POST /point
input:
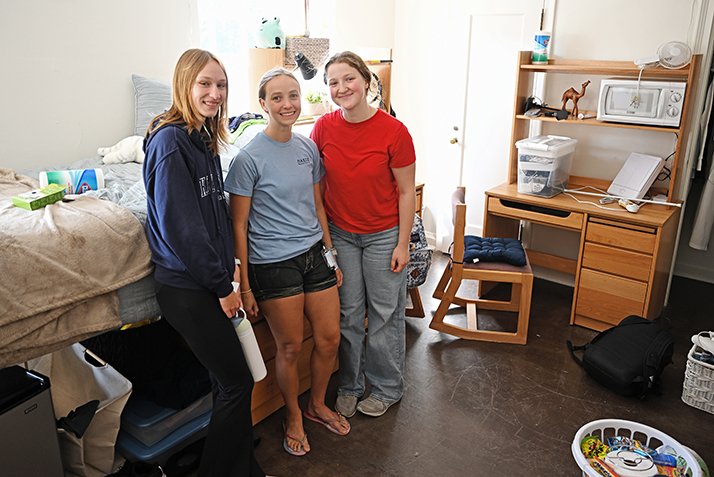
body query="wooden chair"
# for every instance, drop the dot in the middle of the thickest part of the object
(456, 271)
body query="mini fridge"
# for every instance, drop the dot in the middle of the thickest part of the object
(28, 430)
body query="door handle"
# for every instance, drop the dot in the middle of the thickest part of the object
(453, 140)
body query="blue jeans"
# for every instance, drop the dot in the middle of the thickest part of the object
(365, 260)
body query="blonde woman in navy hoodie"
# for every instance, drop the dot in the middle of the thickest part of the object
(189, 230)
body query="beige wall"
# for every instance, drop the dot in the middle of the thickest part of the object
(66, 77)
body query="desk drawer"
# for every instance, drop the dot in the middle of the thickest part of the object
(532, 213)
(621, 237)
(608, 298)
(624, 263)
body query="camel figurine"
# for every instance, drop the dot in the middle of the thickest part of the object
(574, 96)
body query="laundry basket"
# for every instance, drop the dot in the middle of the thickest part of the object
(648, 436)
(698, 389)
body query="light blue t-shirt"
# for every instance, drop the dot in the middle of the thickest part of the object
(279, 178)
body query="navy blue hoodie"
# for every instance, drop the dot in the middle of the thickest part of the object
(189, 224)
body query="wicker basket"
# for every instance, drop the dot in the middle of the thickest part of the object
(315, 49)
(647, 435)
(698, 388)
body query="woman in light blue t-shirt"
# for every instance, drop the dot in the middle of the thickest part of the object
(281, 232)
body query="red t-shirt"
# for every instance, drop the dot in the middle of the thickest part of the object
(361, 194)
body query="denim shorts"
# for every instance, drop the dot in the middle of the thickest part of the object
(305, 273)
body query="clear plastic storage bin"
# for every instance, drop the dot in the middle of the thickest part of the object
(148, 423)
(544, 164)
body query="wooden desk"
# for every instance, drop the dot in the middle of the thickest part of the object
(623, 260)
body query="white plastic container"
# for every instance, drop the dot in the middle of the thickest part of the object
(544, 164)
(648, 436)
(541, 47)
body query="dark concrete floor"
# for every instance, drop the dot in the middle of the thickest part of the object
(480, 409)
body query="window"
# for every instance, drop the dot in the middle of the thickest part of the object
(228, 29)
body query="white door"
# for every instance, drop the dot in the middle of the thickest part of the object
(478, 79)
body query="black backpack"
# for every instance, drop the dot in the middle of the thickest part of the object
(628, 358)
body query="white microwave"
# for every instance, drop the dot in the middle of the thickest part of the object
(656, 103)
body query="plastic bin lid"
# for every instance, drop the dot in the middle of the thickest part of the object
(131, 448)
(546, 143)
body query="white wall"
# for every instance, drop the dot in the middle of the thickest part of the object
(66, 82)
(364, 24)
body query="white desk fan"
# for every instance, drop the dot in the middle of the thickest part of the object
(672, 55)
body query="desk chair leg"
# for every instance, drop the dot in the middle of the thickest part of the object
(441, 286)
(524, 312)
(520, 303)
(437, 323)
(417, 308)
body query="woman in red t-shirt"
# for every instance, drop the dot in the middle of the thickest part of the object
(369, 198)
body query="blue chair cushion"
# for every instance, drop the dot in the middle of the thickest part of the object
(494, 249)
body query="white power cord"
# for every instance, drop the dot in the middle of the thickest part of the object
(604, 194)
(591, 203)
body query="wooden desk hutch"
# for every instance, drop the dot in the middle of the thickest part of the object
(624, 259)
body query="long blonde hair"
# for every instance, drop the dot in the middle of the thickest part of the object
(182, 109)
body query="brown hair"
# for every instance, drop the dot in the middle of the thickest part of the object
(353, 60)
(182, 109)
(272, 74)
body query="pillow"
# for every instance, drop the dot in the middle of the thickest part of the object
(494, 249)
(151, 98)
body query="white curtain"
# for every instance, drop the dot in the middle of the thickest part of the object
(704, 218)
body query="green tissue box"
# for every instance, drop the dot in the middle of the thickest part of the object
(38, 198)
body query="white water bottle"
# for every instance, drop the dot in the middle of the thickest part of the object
(251, 350)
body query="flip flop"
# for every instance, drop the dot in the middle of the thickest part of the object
(326, 422)
(302, 450)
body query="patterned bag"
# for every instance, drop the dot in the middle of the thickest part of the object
(419, 255)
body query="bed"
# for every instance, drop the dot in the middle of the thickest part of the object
(72, 269)
(76, 269)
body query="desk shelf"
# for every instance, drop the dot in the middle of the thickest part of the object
(524, 89)
(595, 122)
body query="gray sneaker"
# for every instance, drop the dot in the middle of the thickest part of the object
(346, 405)
(374, 407)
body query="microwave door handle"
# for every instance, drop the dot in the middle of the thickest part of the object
(662, 103)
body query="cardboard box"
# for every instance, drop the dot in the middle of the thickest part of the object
(38, 198)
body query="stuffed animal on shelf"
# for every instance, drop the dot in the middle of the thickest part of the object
(270, 34)
(127, 150)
